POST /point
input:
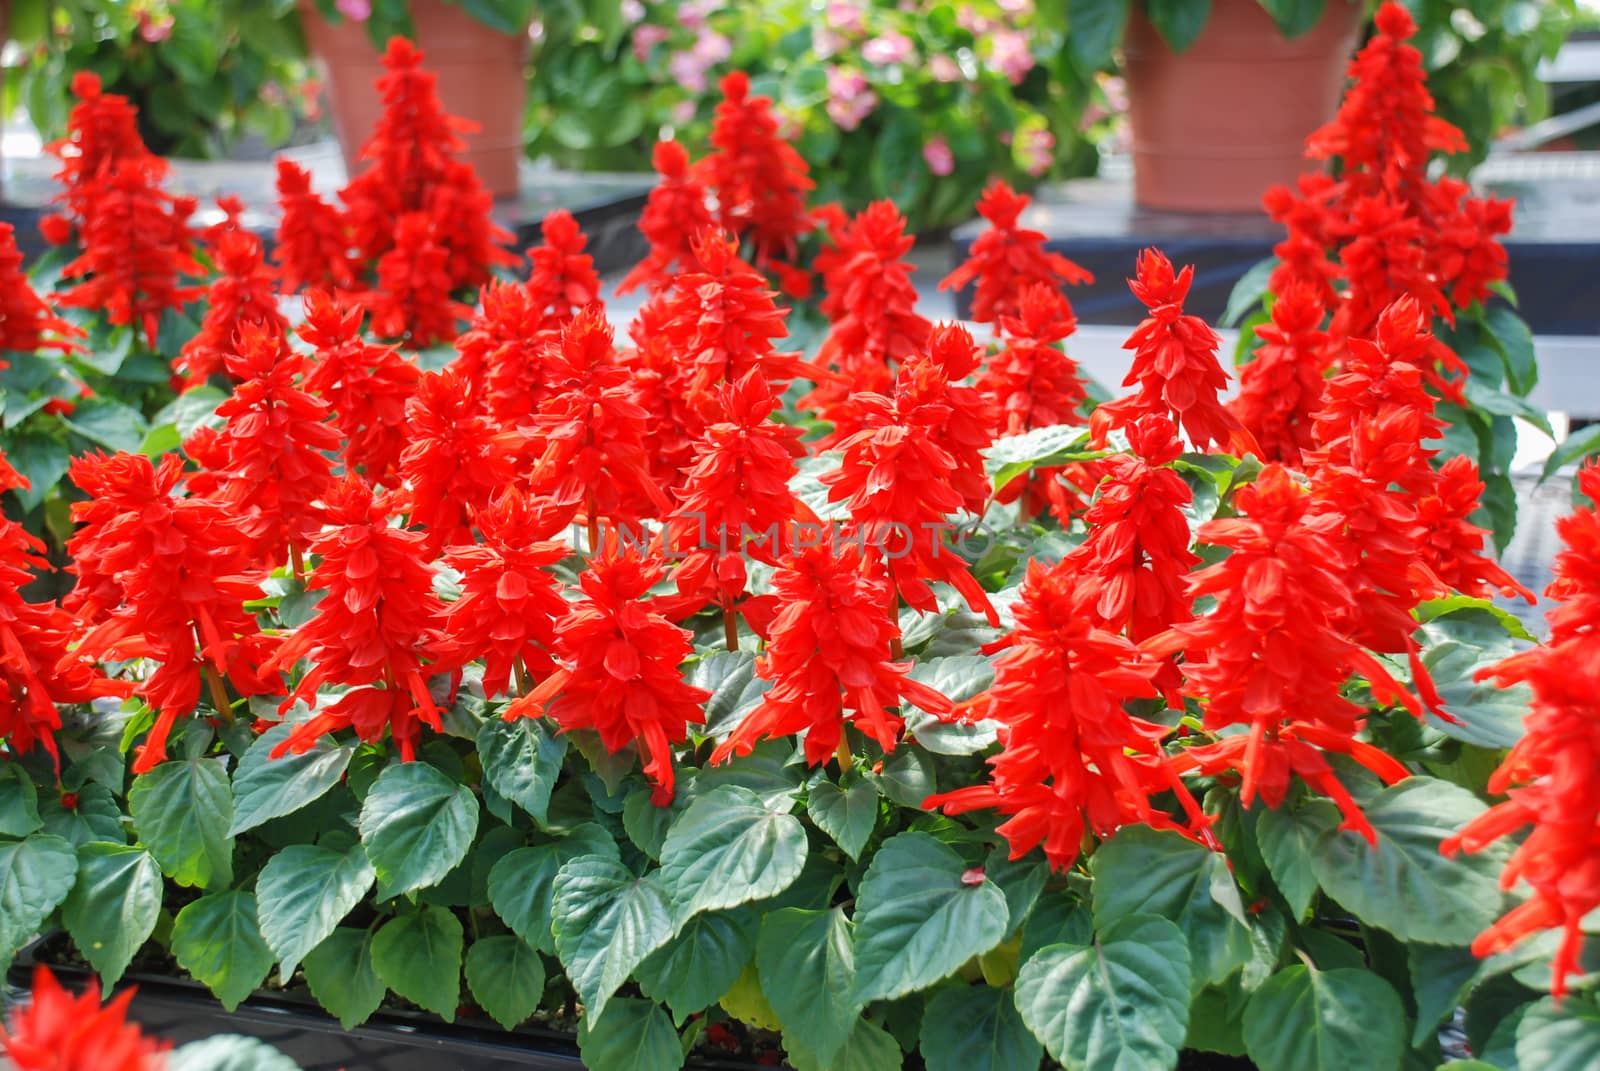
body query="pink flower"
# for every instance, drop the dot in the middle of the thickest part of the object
(154, 29)
(850, 98)
(683, 112)
(975, 24)
(632, 11)
(1019, 9)
(892, 47)
(1037, 150)
(646, 38)
(711, 48)
(693, 15)
(826, 41)
(687, 70)
(845, 17)
(936, 151)
(1011, 55)
(945, 69)
(354, 10)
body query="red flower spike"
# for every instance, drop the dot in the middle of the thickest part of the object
(270, 462)
(55, 1031)
(509, 604)
(453, 464)
(587, 439)
(620, 674)
(27, 322)
(242, 293)
(871, 302)
(659, 380)
(1072, 760)
(1007, 258)
(1281, 388)
(367, 386)
(1551, 772)
(1453, 550)
(313, 243)
(759, 180)
(735, 499)
(502, 354)
(673, 215)
(412, 300)
(377, 631)
(562, 278)
(1174, 365)
(961, 420)
(165, 578)
(102, 134)
(828, 656)
(37, 673)
(1272, 656)
(137, 247)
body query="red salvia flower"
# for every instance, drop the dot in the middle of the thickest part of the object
(1007, 257)
(1453, 547)
(1307, 216)
(659, 382)
(102, 133)
(453, 463)
(1072, 760)
(587, 439)
(27, 323)
(313, 243)
(760, 181)
(377, 631)
(413, 300)
(1138, 542)
(502, 354)
(1551, 773)
(961, 420)
(619, 674)
(673, 215)
(271, 462)
(367, 386)
(735, 499)
(55, 1031)
(461, 210)
(166, 578)
(871, 301)
(36, 671)
(1281, 388)
(137, 247)
(829, 657)
(509, 604)
(562, 278)
(1272, 658)
(1174, 365)
(242, 293)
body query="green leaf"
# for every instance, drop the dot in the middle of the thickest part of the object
(1295, 17)
(1575, 447)
(1404, 884)
(522, 761)
(1440, 979)
(1250, 289)
(1144, 871)
(218, 940)
(847, 812)
(340, 974)
(606, 922)
(35, 876)
(919, 917)
(1011, 456)
(1496, 401)
(113, 907)
(182, 811)
(730, 677)
(418, 955)
(229, 1052)
(1485, 713)
(108, 423)
(729, 848)
(97, 816)
(806, 964)
(43, 460)
(417, 825)
(701, 963)
(976, 1028)
(1311, 1020)
(1560, 1037)
(1121, 1002)
(506, 978)
(869, 1048)
(1287, 835)
(1178, 21)
(908, 777)
(19, 802)
(1094, 30)
(304, 892)
(631, 1035)
(1514, 339)
(265, 788)
(521, 882)
(767, 771)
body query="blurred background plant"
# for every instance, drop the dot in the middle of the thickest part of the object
(202, 72)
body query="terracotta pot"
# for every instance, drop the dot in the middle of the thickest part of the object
(1217, 125)
(480, 78)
